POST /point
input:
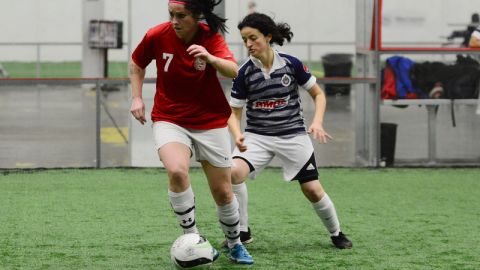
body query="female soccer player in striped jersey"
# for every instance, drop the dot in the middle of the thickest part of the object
(268, 86)
(190, 111)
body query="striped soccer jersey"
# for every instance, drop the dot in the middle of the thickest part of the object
(272, 98)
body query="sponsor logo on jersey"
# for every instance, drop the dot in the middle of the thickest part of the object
(271, 104)
(286, 80)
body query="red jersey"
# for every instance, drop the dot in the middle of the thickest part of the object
(186, 94)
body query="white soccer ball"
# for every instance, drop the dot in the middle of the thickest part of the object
(191, 250)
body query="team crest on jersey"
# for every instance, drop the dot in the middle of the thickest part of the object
(286, 80)
(199, 64)
(271, 104)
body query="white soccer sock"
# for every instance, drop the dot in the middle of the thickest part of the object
(327, 213)
(241, 193)
(228, 216)
(183, 205)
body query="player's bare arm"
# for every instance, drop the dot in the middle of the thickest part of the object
(316, 128)
(234, 127)
(474, 42)
(137, 108)
(227, 68)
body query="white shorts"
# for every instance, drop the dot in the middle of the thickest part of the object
(296, 155)
(212, 145)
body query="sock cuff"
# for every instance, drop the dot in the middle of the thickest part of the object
(239, 187)
(185, 199)
(324, 202)
(187, 192)
(229, 208)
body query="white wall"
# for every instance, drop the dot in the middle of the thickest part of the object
(311, 21)
(426, 20)
(40, 21)
(60, 21)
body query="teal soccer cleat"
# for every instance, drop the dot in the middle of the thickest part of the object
(239, 254)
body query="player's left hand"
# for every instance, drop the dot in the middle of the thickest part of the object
(198, 51)
(318, 133)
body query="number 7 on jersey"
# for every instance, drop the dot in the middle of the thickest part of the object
(168, 57)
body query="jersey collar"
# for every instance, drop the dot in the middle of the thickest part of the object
(278, 63)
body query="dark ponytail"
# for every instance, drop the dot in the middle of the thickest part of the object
(263, 23)
(204, 10)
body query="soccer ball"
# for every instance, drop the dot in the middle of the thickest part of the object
(191, 250)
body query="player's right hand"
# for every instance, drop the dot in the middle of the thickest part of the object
(239, 143)
(138, 110)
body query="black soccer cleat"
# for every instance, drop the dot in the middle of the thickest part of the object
(246, 237)
(341, 241)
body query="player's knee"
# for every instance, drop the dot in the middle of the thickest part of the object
(222, 196)
(178, 174)
(240, 171)
(238, 176)
(179, 180)
(312, 191)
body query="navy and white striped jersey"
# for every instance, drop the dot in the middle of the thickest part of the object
(272, 98)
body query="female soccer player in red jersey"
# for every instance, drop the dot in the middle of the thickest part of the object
(190, 110)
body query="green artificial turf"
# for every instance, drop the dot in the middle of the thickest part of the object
(121, 219)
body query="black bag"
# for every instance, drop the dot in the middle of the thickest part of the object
(464, 85)
(428, 74)
(460, 80)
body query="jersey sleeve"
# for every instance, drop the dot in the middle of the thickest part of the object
(143, 54)
(305, 79)
(218, 47)
(238, 95)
